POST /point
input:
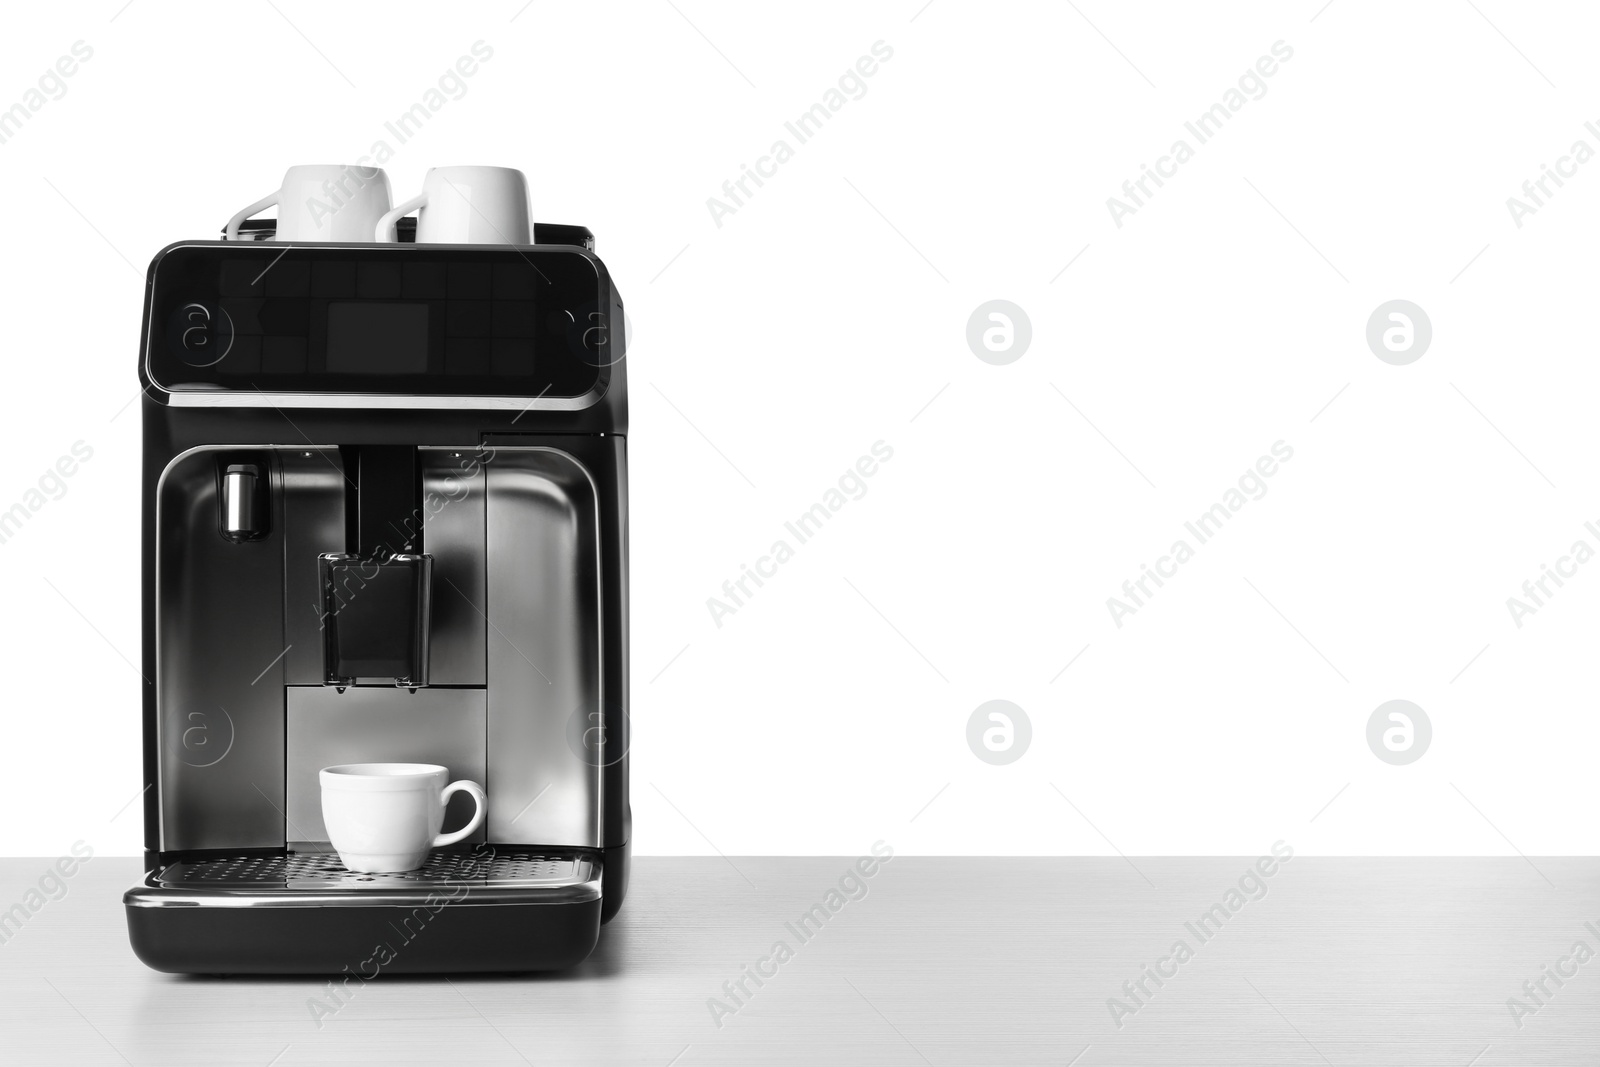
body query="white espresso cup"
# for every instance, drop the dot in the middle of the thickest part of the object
(385, 817)
(467, 206)
(329, 202)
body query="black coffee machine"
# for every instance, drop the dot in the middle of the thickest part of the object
(384, 519)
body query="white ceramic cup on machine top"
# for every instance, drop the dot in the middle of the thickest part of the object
(384, 818)
(325, 202)
(467, 205)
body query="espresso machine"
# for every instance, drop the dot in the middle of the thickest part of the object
(384, 518)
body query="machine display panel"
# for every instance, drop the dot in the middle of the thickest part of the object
(387, 319)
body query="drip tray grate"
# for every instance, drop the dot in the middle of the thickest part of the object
(483, 868)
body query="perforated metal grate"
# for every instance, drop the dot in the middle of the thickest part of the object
(485, 867)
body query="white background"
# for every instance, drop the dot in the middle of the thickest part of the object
(829, 312)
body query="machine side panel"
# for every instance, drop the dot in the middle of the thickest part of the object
(619, 722)
(544, 649)
(219, 670)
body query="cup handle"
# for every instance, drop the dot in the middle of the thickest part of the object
(463, 786)
(260, 205)
(384, 234)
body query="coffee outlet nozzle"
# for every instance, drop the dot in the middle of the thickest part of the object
(376, 612)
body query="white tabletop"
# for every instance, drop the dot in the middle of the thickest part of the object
(943, 961)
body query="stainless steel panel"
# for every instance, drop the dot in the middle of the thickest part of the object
(313, 523)
(219, 674)
(453, 534)
(378, 725)
(543, 609)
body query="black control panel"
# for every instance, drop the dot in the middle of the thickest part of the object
(403, 319)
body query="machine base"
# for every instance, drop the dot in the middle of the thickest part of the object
(486, 910)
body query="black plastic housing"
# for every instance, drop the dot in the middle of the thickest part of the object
(465, 936)
(462, 938)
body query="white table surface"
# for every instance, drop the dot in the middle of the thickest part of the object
(944, 961)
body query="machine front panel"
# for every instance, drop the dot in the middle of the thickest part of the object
(514, 700)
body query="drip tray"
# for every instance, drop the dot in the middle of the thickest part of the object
(467, 910)
(481, 876)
